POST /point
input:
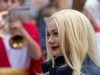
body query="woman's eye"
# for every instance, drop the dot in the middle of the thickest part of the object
(56, 33)
(5, 1)
(13, 1)
(48, 35)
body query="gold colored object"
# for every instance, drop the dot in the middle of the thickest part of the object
(17, 41)
(13, 71)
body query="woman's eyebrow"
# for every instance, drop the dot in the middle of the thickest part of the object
(52, 30)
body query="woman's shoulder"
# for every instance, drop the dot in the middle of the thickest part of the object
(58, 69)
(90, 68)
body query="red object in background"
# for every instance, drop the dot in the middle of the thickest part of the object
(97, 30)
(3, 56)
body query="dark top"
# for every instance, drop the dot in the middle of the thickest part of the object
(88, 67)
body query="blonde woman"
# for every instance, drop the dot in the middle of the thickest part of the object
(71, 45)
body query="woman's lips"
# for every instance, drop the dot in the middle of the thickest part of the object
(54, 47)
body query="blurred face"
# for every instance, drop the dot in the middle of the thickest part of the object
(53, 40)
(5, 4)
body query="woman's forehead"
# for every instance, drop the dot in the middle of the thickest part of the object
(51, 25)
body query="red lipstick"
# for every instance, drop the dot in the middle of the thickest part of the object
(54, 47)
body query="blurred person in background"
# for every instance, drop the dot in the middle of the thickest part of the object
(29, 57)
(41, 24)
(92, 12)
(52, 3)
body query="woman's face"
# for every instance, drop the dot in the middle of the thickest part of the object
(5, 4)
(53, 39)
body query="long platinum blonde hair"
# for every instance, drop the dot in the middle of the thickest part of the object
(76, 28)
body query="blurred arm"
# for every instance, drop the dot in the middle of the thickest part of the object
(31, 35)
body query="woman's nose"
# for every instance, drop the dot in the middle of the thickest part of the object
(50, 40)
(9, 4)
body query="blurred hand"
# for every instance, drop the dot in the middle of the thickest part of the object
(16, 25)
